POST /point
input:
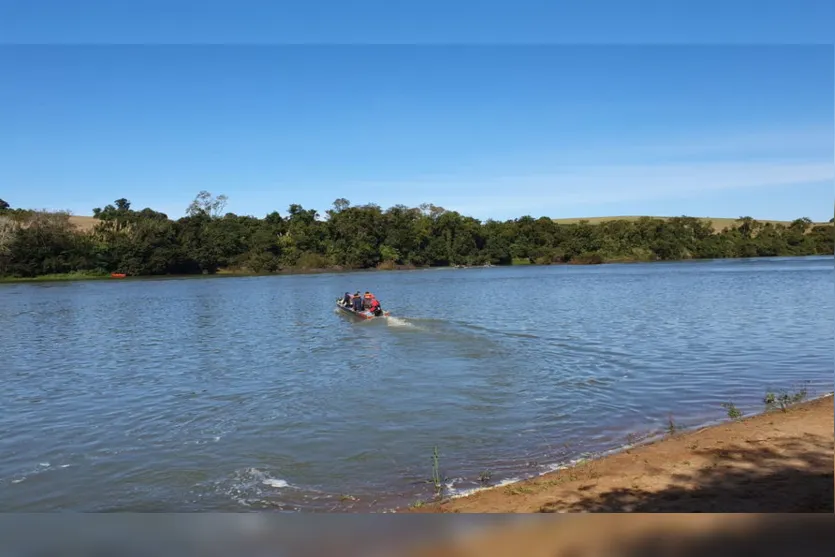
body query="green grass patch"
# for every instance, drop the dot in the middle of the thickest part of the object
(734, 413)
(786, 398)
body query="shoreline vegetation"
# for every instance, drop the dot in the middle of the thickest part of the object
(244, 273)
(53, 246)
(779, 460)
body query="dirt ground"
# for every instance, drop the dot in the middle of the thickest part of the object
(773, 462)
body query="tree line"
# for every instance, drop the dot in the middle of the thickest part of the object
(206, 240)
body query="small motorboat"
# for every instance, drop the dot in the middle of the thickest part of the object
(366, 314)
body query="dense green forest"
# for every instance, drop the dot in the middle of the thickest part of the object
(207, 240)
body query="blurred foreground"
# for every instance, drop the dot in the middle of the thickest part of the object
(417, 536)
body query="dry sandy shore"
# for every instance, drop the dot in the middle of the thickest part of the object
(773, 462)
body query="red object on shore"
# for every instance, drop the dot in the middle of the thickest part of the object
(117, 275)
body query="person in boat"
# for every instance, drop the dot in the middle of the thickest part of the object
(356, 301)
(346, 300)
(375, 308)
(367, 299)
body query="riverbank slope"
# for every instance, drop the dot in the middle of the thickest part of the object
(772, 462)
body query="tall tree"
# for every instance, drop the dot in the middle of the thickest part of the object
(206, 204)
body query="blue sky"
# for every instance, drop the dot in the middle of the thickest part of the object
(495, 130)
(407, 21)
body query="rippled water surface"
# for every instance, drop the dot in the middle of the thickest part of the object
(253, 393)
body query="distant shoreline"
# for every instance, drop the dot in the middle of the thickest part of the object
(227, 273)
(774, 461)
(86, 222)
(148, 243)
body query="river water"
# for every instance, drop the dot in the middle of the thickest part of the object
(236, 394)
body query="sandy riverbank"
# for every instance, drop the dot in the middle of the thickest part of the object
(773, 462)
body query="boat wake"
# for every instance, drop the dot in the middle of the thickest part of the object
(400, 322)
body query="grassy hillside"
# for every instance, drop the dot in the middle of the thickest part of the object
(87, 223)
(719, 224)
(84, 223)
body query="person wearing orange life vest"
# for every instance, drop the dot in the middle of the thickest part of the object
(367, 299)
(375, 307)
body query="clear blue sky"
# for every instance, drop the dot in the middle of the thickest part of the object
(490, 130)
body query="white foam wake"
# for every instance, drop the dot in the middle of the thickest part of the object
(399, 322)
(273, 482)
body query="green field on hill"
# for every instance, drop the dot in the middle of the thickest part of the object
(719, 224)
